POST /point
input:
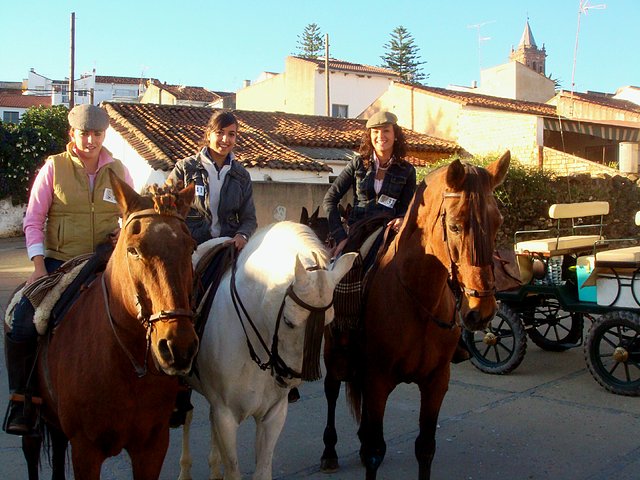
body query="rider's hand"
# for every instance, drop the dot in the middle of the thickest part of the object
(39, 269)
(396, 223)
(238, 240)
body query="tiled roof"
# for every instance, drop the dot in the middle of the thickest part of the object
(17, 100)
(352, 67)
(163, 134)
(119, 80)
(195, 94)
(603, 100)
(488, 101)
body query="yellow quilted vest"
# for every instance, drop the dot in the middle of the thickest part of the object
(79, 219)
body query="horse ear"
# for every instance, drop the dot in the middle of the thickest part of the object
(342, 266)
(455, 175)
(126, 196)
(314, 215)
(300, 271)
(499, 168)
(304, 216)
(185, 199)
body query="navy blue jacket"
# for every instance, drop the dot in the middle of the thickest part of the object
(399, 184)
(236, 211)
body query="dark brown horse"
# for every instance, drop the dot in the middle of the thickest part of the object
(434, 278)
(107, 373)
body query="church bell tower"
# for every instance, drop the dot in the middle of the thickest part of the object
(528, 52)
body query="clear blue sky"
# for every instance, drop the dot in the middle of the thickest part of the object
(217, 44)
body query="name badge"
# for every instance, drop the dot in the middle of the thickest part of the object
(386, 201)
(108, 196)
(200, 190)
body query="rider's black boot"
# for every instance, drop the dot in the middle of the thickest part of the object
(21, 415)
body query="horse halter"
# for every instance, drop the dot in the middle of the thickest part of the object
(147, 319)
(278, 366)
(455, 285)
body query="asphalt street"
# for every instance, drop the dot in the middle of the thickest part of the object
(548, 419)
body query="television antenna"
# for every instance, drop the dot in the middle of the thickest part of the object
(481, 39)
(582, 9)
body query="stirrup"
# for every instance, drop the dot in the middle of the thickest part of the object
(22, 415)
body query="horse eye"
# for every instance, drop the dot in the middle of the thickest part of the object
(133, 251)
(455, 228)
(287, 322)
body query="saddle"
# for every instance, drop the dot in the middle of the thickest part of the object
(369, 238)
(53, 294)
(209, 269)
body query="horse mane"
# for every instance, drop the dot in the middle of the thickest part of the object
(476, 183)
(360, 230)
(283, 241)
(165, 198)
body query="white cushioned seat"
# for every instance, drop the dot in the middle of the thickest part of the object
(620, 255)
(553, 244)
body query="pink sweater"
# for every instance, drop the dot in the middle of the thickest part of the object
(40, 201)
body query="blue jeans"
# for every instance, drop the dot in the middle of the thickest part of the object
(23, 328)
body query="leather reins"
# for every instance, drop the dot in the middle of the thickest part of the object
(278, 366)
(147, 319)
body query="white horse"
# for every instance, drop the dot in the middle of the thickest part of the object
(263, 342)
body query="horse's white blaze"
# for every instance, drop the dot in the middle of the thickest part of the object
(163, 229)
(234, 385)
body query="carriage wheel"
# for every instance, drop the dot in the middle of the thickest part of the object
(612, 352)
(501, 347)
(551, 328)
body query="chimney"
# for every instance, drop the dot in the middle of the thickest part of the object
(246, 83)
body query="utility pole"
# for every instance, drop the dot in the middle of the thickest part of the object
(326, 73)
(72, 62)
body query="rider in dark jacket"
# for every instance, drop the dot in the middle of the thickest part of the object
(236, 211)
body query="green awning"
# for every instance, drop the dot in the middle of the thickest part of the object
(609, 132)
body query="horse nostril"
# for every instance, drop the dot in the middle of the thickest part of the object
(165, 350)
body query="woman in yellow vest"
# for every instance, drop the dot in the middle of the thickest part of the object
(71, 209)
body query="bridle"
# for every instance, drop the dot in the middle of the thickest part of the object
(279, 369)
(457, 287)
(147, 319)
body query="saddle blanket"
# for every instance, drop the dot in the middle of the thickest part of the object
(45, 292)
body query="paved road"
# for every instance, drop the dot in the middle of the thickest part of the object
(547, 420)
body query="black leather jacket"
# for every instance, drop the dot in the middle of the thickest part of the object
(399, 184)
(236, 211)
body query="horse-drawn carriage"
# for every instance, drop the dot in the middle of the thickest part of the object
(564, 279)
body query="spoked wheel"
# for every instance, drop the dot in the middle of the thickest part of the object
(501, 347)
(551, 328)
(612, 352)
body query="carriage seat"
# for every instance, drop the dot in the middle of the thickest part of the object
(627, 257)
(573, 242)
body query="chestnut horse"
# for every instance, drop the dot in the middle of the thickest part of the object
(434, 278)
(108, 371)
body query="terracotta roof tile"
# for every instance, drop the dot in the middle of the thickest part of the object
(351, 67)
(17, 100)
(196, 94)
(119, 80)
(604, 100)
(163, 134)
(488, 101)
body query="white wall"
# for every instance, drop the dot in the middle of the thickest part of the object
(357, 91)
(10, 218)
(140, 170)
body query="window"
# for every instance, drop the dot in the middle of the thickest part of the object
(11, 117)
(339, 111)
